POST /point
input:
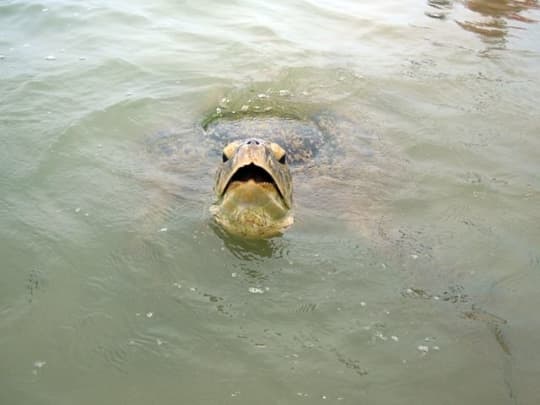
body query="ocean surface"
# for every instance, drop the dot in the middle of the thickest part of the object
(411, 273)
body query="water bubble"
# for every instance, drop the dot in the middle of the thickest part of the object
(50, 57)
(394, 338)
(177, 285)
(2, 57)
(39, 363)
(44, 10)
(77, 210)
(380, 336)
(244, 108)
(284, 93)
(423, 349)
(163, 229)
(362, 304)
(256, 290)
(149, 314)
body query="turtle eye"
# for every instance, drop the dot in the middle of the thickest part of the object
(229, 151)
(279, 153)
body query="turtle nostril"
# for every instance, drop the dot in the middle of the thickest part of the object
(253, 142)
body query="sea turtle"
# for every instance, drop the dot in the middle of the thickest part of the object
(253, 184)
(341, 172)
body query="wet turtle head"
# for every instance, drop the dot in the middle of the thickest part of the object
(253, 189)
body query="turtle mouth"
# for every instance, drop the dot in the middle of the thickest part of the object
(254, 173)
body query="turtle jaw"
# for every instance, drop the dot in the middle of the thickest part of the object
(258, 175)
(251, 204)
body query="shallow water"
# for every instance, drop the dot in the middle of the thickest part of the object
(410, 275)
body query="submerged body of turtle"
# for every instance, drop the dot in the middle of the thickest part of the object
(253, 189)
(337, 169)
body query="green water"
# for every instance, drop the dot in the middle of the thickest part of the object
(410, 275)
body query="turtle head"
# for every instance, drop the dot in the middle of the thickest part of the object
(253, 188)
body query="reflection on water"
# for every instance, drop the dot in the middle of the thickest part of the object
(493, 20)
(497, 17)
(439, 8)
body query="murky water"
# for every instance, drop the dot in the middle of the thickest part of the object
(410, 275)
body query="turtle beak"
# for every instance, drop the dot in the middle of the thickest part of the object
(254, 173)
